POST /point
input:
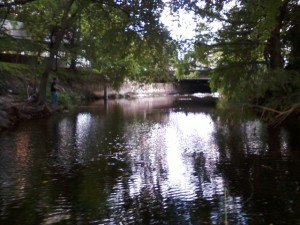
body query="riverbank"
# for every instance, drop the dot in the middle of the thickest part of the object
(18, 81)
(15, 106)
(13, 110)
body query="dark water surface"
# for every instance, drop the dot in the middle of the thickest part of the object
(164, 160)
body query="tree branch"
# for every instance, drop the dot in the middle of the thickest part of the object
(281, 116)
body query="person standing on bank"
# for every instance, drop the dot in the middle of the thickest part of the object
(54, 94)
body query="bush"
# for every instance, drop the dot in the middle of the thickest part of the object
(66, 99)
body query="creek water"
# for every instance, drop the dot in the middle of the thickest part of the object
(163, 160)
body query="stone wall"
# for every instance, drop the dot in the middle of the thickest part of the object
(129, 89)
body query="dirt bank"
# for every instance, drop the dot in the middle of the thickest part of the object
(13, 110)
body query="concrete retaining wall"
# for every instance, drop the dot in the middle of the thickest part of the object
(130, 89)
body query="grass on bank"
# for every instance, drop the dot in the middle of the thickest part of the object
(21, 79)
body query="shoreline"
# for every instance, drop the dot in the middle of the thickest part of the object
(14, 110)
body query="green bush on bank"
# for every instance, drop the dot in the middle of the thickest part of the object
(66, 99)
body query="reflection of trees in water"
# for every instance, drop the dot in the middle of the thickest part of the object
(292, 136)
(258, 164)
(151, 192)
(150, 205)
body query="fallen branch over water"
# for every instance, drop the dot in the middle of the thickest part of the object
(280, 116)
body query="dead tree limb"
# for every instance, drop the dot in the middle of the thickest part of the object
(279, 116)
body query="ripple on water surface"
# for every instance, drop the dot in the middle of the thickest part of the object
(162, 166)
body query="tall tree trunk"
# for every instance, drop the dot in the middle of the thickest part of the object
(276, 60)
(294, 37)
(73, 48)
(42, 93)
(274, 48)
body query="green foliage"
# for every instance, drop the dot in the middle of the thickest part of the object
(119, 45)
(280, 88)
(66, 100)
(119, 38)
(16, 77)
(186, 67)
(265, 14)
(14, 70)
(275, 89)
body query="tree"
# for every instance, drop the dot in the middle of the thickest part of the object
(119, 38)
(8, 9)
(57, 17)
(129, 39)
(251, 47)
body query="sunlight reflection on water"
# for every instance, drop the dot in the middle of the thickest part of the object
(164, 156)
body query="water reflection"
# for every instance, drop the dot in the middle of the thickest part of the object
(166, 160)
(84, 123)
